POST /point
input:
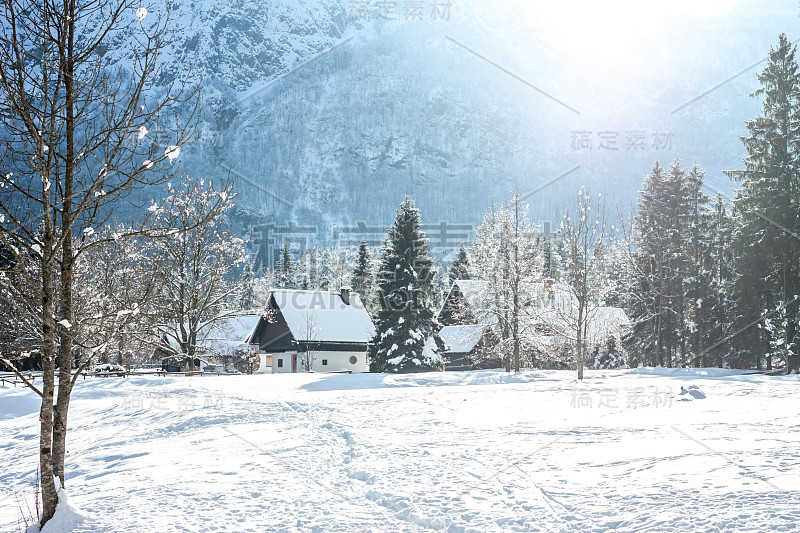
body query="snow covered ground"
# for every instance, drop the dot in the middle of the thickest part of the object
(475, 451)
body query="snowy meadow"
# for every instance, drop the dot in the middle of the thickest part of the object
(471, 451)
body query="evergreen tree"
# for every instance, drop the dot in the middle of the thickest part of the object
(722, 279)
(335, 268)
(676, 206)
(767, 207)
(363, 278)
(440, 287)
(678, 281)
(459, 267)
(406, 338)
(306, 271)
(681, 276)
(649, 293)
(606, 355)
(247, 297)
(284, 269)
(699, 326)
(776, 324)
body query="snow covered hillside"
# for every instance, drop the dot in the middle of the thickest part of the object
(475, 451)
(328, 118)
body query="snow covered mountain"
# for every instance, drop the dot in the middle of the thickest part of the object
(328, 118)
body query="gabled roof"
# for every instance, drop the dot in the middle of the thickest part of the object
(461, 339)
(230, 333)
(322, 316)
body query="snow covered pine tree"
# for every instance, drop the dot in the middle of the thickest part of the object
(363, 278)
(459, 268)
(767, 209)
(406, 331)
(285, 268)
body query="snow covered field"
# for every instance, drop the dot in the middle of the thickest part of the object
(476, 451)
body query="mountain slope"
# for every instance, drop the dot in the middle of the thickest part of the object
(327, 119)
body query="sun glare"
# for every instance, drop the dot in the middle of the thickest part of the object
(607, 33)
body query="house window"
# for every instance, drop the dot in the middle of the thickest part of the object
(324, 362)
(280, 363)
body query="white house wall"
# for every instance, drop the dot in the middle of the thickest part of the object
(265, 364)
(336, 362)
(340, 361)
(287, 362)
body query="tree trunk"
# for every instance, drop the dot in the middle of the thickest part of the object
(507, 354)
(49, 494)
(581, 342)
(191, 350)
(516, 329)
(64, 367)
(759, 348)
(67, 260)
(699, 360)
(659, 344)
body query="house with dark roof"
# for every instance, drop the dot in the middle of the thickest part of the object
(551, 309)
(318, 331)
(470, 347)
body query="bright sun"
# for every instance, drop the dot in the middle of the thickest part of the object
(592, 28)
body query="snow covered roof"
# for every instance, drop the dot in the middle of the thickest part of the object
(470, 289)
(223, 336)
(461, 339)
(322, 316)
(227, 335)
(602, 322)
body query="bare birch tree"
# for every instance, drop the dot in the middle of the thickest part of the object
(75, 140)
(584, 234)
(311, 332)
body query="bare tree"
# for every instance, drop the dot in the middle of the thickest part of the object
(584, 233)
(117, 283)
(75, 141)
(311, 332)
(507, 262)
(198, 262)
(108, 289)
